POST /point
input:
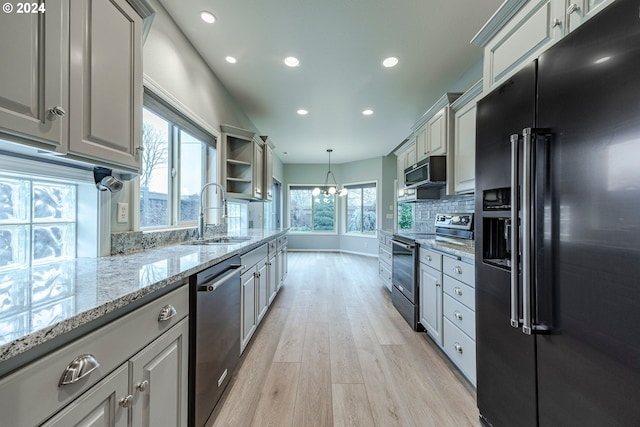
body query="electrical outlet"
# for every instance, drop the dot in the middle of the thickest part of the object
(123, 212)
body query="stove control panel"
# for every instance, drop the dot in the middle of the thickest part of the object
(462, 221)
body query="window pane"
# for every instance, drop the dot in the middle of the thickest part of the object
(324, 213)
(237, 217)
(300, 210)
(369, 204)
(354, 209)
(361, 209)
(54, 202)
(14, 200)
(154, 179)
(190, 176)
(405, 217)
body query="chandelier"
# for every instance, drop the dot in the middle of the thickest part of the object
(328, 189)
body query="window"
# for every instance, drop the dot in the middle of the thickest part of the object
(174, 166)
(311, 214)
(361, 208)
(37, 222)
(405, 216)
(237, 217)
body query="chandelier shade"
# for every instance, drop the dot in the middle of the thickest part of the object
(330, 186)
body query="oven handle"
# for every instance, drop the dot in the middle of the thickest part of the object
(403, 244)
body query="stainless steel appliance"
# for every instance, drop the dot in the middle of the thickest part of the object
(558, 233)
(214, 336)
(404, 273)
(431, 171)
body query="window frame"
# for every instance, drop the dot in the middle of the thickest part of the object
(336, 208)
(172, 112)
(345, 218)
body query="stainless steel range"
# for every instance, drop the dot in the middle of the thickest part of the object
(405, 278)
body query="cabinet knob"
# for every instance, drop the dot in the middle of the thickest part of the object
(55, 112)
(79, 368)
(457, 290)
(166, 313)
(573, 7)
(458, 315)
(437, 285)
(125, 402)
(457, 269)
(143, 385)
(429, 258)
(556, 23)
(458, 347)
(139, 148)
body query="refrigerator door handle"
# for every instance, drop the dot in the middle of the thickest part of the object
(515, 297)
(527, 203)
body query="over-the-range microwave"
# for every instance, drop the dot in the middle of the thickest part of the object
(431, 171)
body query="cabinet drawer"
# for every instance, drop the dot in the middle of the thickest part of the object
(460, 315)
(460, 291)
(430, 258)
(385, 272)
(273, 247)
(282, 241)
(111, 345)
(459, 270)
(384, 255)
(461, 349)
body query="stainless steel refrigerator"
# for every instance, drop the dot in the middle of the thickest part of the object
(558, 233)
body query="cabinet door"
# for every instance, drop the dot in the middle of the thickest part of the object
(248, 279)
(281, 267)
(272, 273)
(436, 131)
(431, 302)
(159, 375)
(464, 159)
(105, 404)
(268, 173)
(262, 290)
(422, 149)
(106, 72)
(258, 171)
(34, 74)
(285, 255)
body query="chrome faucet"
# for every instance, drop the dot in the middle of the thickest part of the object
(203, 208)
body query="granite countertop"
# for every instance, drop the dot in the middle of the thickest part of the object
(47, 301)
(460, 248)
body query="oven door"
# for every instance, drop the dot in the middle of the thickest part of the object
(403, 272)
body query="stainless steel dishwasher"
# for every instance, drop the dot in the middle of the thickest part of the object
(214, 335)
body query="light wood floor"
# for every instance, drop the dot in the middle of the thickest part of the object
(333, 351)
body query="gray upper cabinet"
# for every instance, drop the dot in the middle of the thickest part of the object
(433, 130)
(33, 88)
(267, 180)
(242, 163)
(106, 83)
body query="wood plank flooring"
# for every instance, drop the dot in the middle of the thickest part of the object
(333, 351)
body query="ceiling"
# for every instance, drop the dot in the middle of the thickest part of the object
(340, 45)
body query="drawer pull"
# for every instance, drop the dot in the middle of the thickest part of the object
(79, 368)
(437, 285)
(457, 290)
(429, 258)
(125, 402)
(458, 315)
(458, 347)
(457, 269)
(166, 313)
(556, 23)
(572, 8)
(143, 385)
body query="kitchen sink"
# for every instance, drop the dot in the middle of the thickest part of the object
(221, 240)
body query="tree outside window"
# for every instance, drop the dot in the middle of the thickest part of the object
(362, 208)
(311, 214)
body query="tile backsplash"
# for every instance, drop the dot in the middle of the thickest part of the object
(136, 241)
(426, 210)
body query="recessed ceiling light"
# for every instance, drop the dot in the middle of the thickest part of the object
(603, 59)
(302, 112)
(291, 61)
(231, 59)
(390, 62)
(207, 17)
(367, 112)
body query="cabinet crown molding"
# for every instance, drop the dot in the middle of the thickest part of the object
(469, 95)
(499, 19)
(445, 100)
(243, 133)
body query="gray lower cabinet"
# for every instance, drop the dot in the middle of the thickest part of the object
(272, 271)
(141, 375)
(156, 394)
(262, 289)
(431, 293)
(249, 318)
(384, 258)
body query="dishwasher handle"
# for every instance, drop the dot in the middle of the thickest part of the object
(219, 280)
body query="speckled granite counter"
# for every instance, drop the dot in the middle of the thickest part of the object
(460, 248)
(42, 304)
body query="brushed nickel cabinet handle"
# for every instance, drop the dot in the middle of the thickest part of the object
(458, 315)
(457, 290)
(458, 347)
(125, 402)
(142, 386)
(573, 7)
(457, 269)
(79, 368)
(166, 313)
(55, 112)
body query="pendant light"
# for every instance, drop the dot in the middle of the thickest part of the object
(328, 189)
